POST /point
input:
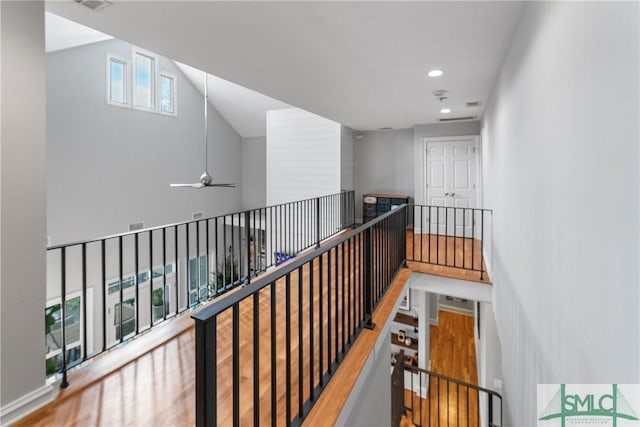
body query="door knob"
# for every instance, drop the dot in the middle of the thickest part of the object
(446, 194)
(453, 194)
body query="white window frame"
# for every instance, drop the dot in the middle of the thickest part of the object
(78, 343)
(153, 75)
(174, 100)
(127, 81)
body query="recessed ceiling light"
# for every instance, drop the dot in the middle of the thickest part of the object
(435, 73)
(445, 110)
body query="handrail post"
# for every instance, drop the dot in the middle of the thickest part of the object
(206, 373)
(317, 222)
(368, 282)
(247, 226)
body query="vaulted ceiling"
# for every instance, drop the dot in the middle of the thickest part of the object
(363, 64)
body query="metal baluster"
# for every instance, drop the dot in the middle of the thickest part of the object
(136, 266)
(121, 293)
(84, 301)
(311, 331)
(256, 359)
(300, 348)
(288, 345)
(274, 416)
(235, 311)
(63, 314)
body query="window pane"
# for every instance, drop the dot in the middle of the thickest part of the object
(166, 94)
(72, 321)
(117, 82)
(53, 330)
(203, 270)
(144, 81)
(193, 273)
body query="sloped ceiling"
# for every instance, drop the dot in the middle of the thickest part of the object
(243, 108)
(362, 64)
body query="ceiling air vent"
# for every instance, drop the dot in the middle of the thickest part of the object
(95, 5)
(136, 226)
(457, 119)
(385, 128)
(473, 104)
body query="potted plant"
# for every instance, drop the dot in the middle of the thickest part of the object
(157, 301)
(227, 275)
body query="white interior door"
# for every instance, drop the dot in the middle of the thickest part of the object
(451, 183)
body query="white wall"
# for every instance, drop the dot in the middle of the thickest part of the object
(383, 163)
(303, 156)
(22, 208)
(488, 353)
(254, 172)
(109, 167)
(561, 173)
(346, 158)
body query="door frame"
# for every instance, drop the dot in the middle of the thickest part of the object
(423, 180)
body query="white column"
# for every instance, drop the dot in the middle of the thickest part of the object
(424, 316)
(23, 176)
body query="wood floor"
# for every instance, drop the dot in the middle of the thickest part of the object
(453, 355)
(150, 381)
(448, 256)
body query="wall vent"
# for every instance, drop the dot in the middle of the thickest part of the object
(474, 104)
(95, 5)
(457, 119)
(136, 226)
(197, 215)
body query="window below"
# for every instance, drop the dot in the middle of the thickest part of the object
(53, 334)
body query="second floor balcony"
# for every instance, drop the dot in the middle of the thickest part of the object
(286, 291)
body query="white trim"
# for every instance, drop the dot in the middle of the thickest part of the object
(58, 300)
(127, 81)
(174, 101)
(153, 75)
(28, 403)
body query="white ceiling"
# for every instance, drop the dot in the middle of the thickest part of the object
(362, 64)
(244, 109)
(61, 33)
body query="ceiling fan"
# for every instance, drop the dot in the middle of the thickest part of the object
(205, 179)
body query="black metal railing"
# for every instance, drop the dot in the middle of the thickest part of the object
(431, 399)
(397, 390)
(265, 352)
(450, 236)
(104, 291)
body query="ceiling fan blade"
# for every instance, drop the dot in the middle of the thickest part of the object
(221, 185)
(194, 185)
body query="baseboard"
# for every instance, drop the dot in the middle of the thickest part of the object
(28, 403)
